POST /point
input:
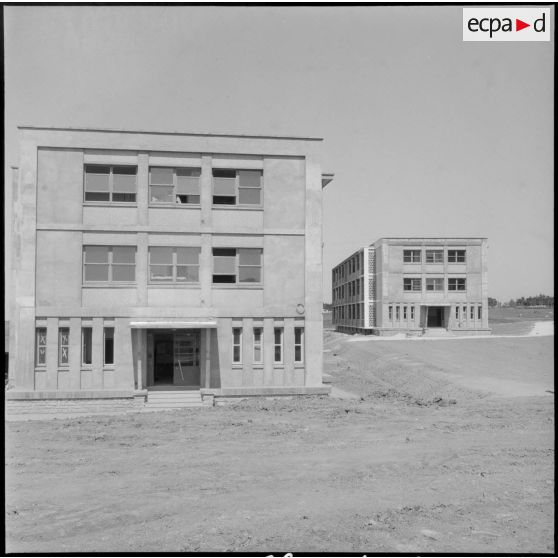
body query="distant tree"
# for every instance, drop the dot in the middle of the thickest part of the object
(511, 302)
(492, 302)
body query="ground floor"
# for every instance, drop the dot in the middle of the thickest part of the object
(225, 356)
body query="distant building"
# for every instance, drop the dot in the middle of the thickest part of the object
(413, 285)
(148, 261)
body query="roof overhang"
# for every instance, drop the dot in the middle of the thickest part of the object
(170, 324)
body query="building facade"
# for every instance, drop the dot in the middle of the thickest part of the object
(150, 260)
(413, 285)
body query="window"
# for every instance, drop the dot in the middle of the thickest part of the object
(174, 185)
(404, 312)
(397, 316)
(434, 256)
(457, 312)
(299, 344)
(105, 183)
(237, 345)
(174, 265)
(108, 342)
(86, 345)
(456, 256)
(464, 313)
(411, 256)
(390, 312)
(479, 312)
(237, 187)
(63, 346)
(109, 263)
(258, 345)
(412, 312)
(456, 284)
(278, 344)
(40, 346)
(472, 314)
(237, 265)
(434, 284)
(412, 284)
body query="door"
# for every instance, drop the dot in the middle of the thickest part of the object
(163, 358)
(435, 316)
(187, 358)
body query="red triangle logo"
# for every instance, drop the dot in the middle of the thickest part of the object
(519, 25)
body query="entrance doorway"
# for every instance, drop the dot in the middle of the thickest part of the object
(435, 316)
(175, 357)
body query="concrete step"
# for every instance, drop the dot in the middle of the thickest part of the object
(173, 399)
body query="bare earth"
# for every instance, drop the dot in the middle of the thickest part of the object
(427, 446)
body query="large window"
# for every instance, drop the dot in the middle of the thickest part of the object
(109, 263)
(237, 265)
(258, 345)
(434, 284)
(63, 346)
(237, 187)
(456, 284)
(456, 256)
(174, 265)
(174, 185)
(108, 348)
(40, 346)
(435, 256)
(299, 344)
(411, 256)
(237, 345)
(412, 284)
(105, 183)
(86, 345)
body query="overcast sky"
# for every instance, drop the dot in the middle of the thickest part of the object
(427, 135)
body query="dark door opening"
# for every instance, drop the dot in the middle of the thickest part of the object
(163, 358)
(435, 316)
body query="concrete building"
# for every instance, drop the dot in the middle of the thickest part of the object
(147, 261)
(413, 285)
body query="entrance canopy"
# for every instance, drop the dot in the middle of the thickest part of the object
(171, 324)
(435, 304)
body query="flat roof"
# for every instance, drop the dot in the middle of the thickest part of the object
(197, 134)
(431, 238)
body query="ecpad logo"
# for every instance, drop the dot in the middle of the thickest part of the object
(506, 24)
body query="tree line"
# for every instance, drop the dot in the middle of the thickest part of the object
(539, 300)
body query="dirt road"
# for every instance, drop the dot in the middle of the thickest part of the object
(418, 462)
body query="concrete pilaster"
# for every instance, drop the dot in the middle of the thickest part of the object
(268, 351)
(142, 268)
(124, 378)
(289, 352)
(142, 195)
(51, 358)
(71, 378)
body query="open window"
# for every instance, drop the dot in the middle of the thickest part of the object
(174, 185)
(110, 183)
(237, 265)
(237, 187)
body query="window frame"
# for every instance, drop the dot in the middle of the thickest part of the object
(437, 256)
(84, 349)
(39, 346)
(455, 254)
(479, 312)
(237, 268)
(434, 282)
(61, 346)
(110, 191)
(411, 255)
(237, 188)
(299, 345)
(455, 281)
(107, 329)
(412, 281)
(174, 264)
(110, 263)
(236, 345)
(174, 186)
(257, 344)
(279, 345)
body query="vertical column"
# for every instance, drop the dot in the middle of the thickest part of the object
(94, 379)
(247, 352)
(205, 271)
(224, 346)
(137, 333)
(12, 238)
(143, 188)
(75, 355)
(268, 351)
(142, 272)
(123, 354)
(313, 271)
(206, 200)
(22, 363)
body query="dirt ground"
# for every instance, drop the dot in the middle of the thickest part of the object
(425, 446)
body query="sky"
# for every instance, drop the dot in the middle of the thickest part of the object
(427, 135)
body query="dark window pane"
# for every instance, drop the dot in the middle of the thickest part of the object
(224, 251)
(298, 353)
(109, 345)
(96, 272)
(224, 200)
(224, 173)
(87, 336)
(187, 199)
(96, 254)
(130, 198)
(97, 196)
(278, 354)
(224, 278)
(123, 273)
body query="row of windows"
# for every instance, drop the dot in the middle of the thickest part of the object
(169, 264)
(258, 346)
(64, 346)
(434, 256)
(408, 312)
(352, 288)
(349, 312)
(168, 185)
(434, 284)
(352, 265)
(460, 312)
